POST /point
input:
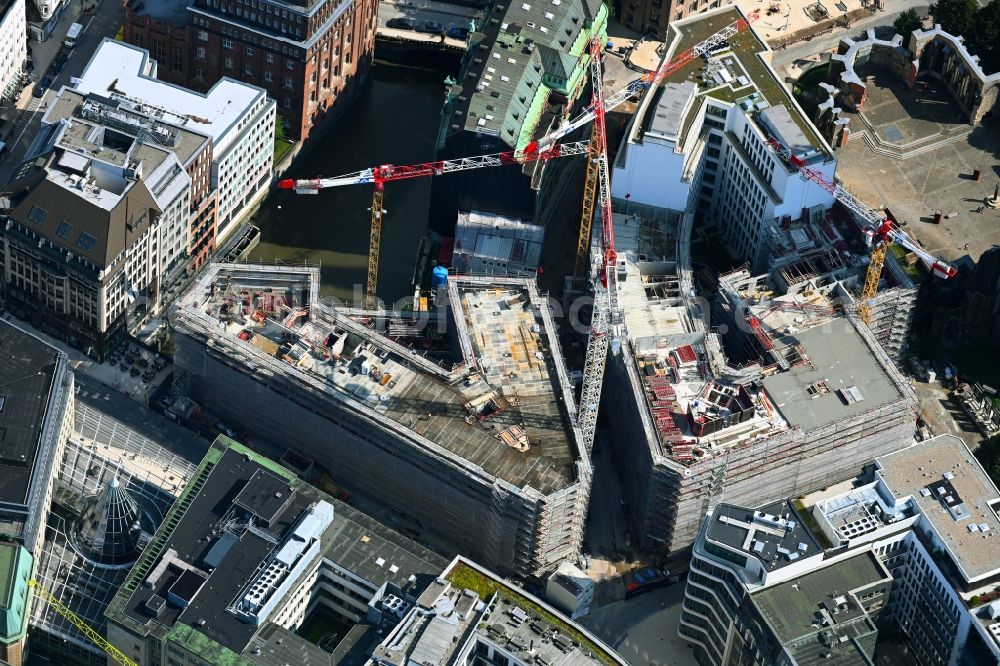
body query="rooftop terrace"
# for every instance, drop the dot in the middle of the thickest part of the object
(956, 497)
(26, 376)
(504, 407)
(746, 71)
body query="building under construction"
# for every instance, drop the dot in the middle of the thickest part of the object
(464, 422)
(797, 395)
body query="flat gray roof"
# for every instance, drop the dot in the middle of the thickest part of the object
(840, 357)
(785, 129)
(26, 378)
(669, 111)
(908, 472)
(792, 610)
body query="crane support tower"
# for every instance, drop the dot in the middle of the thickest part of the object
(84, 628)
(878, 229)
(607, 320)
(543, 149)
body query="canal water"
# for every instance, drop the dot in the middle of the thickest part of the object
(395, 121)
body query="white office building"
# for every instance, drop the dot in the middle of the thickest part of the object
(13, 47)
(699, 143)
(907, 548)
(237, 116)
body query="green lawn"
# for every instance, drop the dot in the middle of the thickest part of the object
(281, 148)
(916, 272)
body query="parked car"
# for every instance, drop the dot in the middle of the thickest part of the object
(401, 23)
(56, 66)
(432, 27)
(41, 87)
(458, 33)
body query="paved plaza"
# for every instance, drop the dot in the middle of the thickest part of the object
(921, 160)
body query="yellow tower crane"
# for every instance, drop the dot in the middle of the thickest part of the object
(84, 628)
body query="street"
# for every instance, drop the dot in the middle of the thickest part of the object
(643, 630)
(446, 14)
(98, 24)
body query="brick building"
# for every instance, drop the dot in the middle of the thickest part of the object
(308, 55)
(651, 17)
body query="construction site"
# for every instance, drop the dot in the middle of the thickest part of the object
(458, 413)
(774, 385)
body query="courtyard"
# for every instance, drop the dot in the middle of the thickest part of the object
(919, 157)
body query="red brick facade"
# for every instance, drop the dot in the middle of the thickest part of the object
(307, 59)
(651, 17)
(204, 209)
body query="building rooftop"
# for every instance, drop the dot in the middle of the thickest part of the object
(120, 70)
(472, 607)
(504, 408)
(521, 44)
(238, 539)
(26, 382)
(734, 74)
(956, 497)
(773, 534)
(84, 112)
(671, 106)
(819, 613)
(90, 219)
(841, 378)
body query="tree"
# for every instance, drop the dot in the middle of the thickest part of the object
(907, 22)
(988, 455)
(957, 17)
(986, 38)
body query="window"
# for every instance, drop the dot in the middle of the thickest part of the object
(268, 76)
(287, 102)
(249, 50)
(86, 242)
(269, 57)
(289, 65)
(199, 73)
(178, 59)
(227, 43)
(157, 50)
(248, 68)
(228, 63)
(199, 53)
(202, 36)
(288, 82)
(37, 214)
(64, 229)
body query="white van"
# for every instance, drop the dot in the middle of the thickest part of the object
(72, 35)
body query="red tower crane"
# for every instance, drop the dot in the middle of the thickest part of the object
(879, 230)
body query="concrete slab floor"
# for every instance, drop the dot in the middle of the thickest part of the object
(940, 179)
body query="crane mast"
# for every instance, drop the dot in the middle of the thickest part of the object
(606, 320)
(84, 628)
(879, 231)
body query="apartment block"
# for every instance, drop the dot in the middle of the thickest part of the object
(246, 556)
(80, 245)
(311, 57)
(700, 143)
(901, 550)
(238, 117)
(13, 49)
(474, 428)
(526, 68)
(36, 417)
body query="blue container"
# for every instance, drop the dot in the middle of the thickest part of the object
(439, 277)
